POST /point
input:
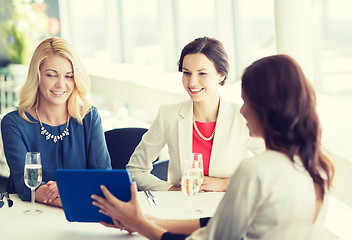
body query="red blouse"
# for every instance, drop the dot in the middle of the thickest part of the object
(201, 146)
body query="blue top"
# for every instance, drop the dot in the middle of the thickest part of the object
(83, 148)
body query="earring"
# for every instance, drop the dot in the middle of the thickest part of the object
(222, 82)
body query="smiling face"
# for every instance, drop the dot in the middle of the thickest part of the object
(253, 122)
(56, 80)
(200, 78)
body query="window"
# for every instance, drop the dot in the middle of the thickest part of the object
(254, 31)
(86, 27)
(258, 29)
(140, 32)
(335, 54)
(194, 19)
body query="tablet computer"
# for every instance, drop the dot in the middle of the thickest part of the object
(77, 186)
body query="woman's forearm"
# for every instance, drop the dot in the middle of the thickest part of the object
(184, 226)
(151, 231)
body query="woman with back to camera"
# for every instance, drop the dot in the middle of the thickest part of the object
(206, 124)
(54, 118)
(279, 194)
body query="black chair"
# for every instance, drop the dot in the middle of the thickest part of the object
(121, 143)
(160, 169)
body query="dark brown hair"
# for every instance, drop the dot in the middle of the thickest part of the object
(285, 103)
(212, 49)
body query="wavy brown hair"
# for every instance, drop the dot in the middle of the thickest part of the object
(285, 103)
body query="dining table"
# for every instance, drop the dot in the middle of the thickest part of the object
(51, 224)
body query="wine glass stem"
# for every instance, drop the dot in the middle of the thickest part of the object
(33, 198)
(189, 203)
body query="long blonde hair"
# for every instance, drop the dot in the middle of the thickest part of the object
(77, 104)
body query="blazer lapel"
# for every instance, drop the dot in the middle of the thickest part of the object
(185, 133)
(221, 133)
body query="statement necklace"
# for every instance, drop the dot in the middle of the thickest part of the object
(200, 134)
(48, 135)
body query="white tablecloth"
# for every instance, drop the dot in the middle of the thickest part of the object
(173, 205)
(52, 224)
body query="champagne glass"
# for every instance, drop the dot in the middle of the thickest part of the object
(193, 178)
(33, 177)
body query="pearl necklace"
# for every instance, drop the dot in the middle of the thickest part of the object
(201, 135)
(48, 135)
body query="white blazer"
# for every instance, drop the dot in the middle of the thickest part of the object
(173, 126)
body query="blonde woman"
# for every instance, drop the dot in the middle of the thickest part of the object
(54, 118)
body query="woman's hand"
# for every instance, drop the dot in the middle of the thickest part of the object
(126, 215)
(174, 188)
(48, 194)
(52, 192)
(212, 184)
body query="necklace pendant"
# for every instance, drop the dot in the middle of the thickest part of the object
(48, 135)
(66, 132)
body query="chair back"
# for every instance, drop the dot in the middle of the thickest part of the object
(121, 143)
(160, 169)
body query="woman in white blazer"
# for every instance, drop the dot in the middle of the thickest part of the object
(279, 194)
(205, 67)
